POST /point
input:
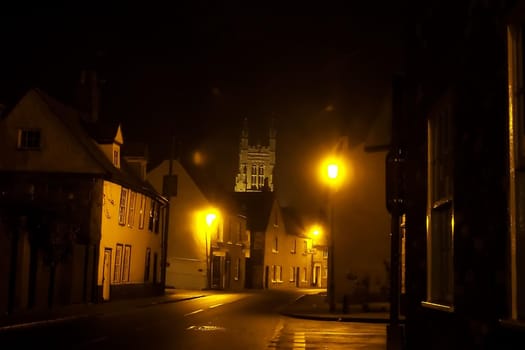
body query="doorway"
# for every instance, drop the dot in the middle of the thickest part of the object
(106, 275)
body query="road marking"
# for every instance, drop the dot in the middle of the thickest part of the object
(43, 322)
(214, 306)
(299, 340)
(194, 312)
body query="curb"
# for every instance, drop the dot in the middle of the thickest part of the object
(337, 318)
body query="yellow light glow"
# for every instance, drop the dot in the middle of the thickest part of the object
(333, 171)
(210, 218)
(316, 230)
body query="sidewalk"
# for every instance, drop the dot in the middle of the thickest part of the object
(25, 319)
(315, 306)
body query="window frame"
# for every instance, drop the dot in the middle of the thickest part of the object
(131, 208)
(126, 264)
(117, 264)
(440, 207)
(123, 206)
(25, 136)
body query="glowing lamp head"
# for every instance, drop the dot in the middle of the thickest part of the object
(210, 218)
(332, 171)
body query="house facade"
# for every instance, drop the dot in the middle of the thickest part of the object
(72, 213)
(280, 254)
(207, 239)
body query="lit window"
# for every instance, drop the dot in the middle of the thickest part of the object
(116, 158)
(123, 205)
(117, 265)
(131, 211)
(277, 273)
(440, 209)
(261, 176)
(142, 211)
(126, 263)
(254, 177)
(292, 274)
(29, 139)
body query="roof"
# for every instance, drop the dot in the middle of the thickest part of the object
(257, 207)
(103, 132)
(72, 119)
(292, 222)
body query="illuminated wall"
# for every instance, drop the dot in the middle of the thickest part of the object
(186, 258)
(129, 240)
(287, 257)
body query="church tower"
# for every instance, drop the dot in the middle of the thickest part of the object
(256, 163)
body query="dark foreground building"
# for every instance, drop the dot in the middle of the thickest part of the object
(463, 131)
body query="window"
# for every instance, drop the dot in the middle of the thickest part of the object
(305, 274)
(239, 232)
(254, 177)
(275, 248)
(516, 133)
(116, 158)
(305, 247)
(147, 265)
(277, 273)
(125, 263)
(118, 262)
(261, 176)
(440, 208)
(156, 217)
(29, 139)
(325, 253)
(292, 274)
(294, 246)
(122, 208)
(142, 211)
(131, 211)
(169, 185)
(151, 223)
(237, 273)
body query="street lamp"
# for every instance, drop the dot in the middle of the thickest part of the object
(210, 218)
(332, 170)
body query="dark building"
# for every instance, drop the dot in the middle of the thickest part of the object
(461, 127)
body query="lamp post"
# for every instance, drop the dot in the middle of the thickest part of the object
(332, 173)
(210, 218)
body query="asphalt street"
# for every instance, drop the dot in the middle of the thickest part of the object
(218, 321)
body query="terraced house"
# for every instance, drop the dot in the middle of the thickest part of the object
(78, 222)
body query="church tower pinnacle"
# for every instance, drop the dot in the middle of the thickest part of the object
(256, 163)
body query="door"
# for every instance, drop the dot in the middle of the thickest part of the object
(267, 277)
(106, 274)
(317, 276)
(297, 277)
(155, 263)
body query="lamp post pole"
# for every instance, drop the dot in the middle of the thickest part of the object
(331, 283)
(208, 284)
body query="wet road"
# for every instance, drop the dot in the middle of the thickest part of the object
(221, 321)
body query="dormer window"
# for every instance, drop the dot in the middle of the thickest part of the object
(29, 139)
(116, 158)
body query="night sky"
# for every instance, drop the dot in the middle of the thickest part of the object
(197, 73)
